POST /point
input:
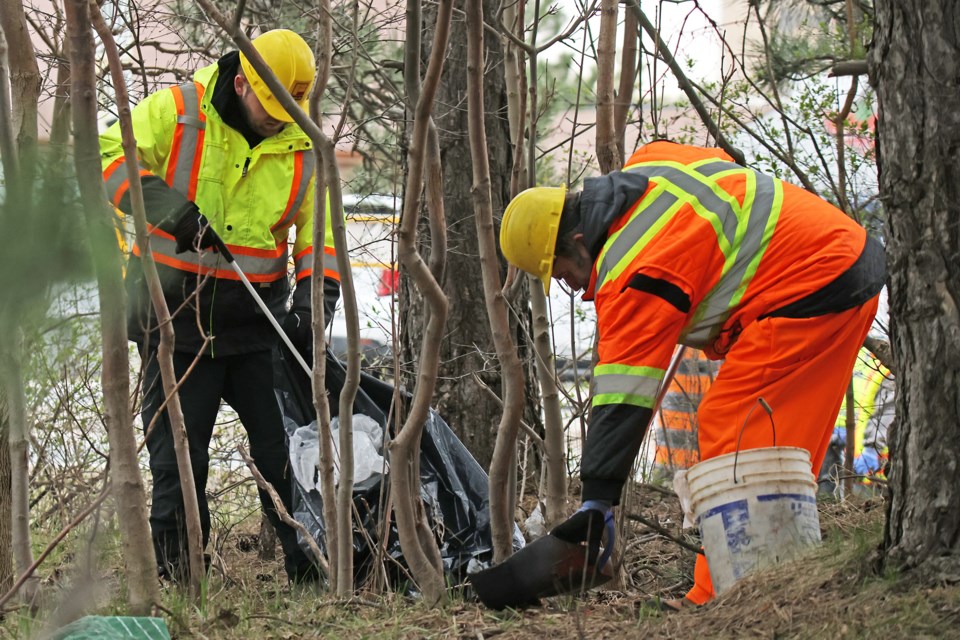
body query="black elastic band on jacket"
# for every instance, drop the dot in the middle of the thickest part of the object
(662, 289)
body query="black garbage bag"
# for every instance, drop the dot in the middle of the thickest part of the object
(453, 485)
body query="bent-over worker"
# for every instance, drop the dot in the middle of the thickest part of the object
(685, 246)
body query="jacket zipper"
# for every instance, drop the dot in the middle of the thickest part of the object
(246, 165)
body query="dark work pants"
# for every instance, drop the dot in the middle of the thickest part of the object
(245, 382)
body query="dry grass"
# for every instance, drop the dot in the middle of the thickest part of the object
(833, 592)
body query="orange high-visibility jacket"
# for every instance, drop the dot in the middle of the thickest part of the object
(252, 197)
(689, 248)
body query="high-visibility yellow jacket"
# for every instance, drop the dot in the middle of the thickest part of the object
(873, 411)
(689, 248)
(251, 197)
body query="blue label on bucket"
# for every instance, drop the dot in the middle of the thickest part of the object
(736, 520)
(757, 530)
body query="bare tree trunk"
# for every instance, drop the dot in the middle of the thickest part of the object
(6, 543)
(331, 507)
(555, 486)
(501, 499)
(11, 380)
(913, 64)
(24, 85)
(139, 559)
(82, 48)
(850, 444)
(628, 77)
(6, 498)
(416, 539)
(467, 347)
(516, 81)
(554, 490)
(609, 156)
(19, 88)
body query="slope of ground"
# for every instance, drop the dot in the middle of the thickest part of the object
(833, 592)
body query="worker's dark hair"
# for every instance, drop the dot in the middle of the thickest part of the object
(569, 225)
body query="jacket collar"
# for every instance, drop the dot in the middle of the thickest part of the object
(291, 138)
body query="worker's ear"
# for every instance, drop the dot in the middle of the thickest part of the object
(238, 82)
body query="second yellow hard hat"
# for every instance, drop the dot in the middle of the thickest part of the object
(528, 231)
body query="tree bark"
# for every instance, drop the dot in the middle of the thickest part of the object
(6, 499)
(467, 346)
(501, 499)
(24, 84)
(913, 65)
(417, 541)
(127, 485)
(608, 155)
(11, 381)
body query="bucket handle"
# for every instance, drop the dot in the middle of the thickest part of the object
(773, 428)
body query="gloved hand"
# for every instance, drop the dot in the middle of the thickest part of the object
(298, 329)
(586, 526)
(193, 230)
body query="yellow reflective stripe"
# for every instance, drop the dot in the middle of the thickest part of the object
(762, 207)
(716, 205)
(646, 221)
(625, 384)
(743, 231)
(252, 266)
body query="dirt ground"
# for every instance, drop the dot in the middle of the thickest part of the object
(837, 591)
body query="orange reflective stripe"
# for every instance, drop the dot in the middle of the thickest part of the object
(297, 172)
(186, 151)
(259, 266)
(116, 181)
(303, 165)
(304, 268)
(177, 138)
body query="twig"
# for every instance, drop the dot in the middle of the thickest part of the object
(282, 511)
(53, 545)
(663, 532)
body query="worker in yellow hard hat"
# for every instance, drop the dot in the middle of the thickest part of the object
(221, 160)
(685, 246)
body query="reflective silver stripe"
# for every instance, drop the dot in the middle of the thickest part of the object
(190, 134)
(677, 439)
(761, 219)
(300, 190)
(117, 180)
(713, 167)
(743, 232)
(252, 266)
(681, 401)
(627, 240)
(704, 191)
(625, 384)
(302, 263)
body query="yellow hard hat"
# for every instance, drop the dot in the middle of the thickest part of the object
(528, 231)
(291, 59)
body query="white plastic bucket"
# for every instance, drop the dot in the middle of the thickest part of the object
(754, 509)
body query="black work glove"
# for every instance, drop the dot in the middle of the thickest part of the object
(297, 326)
(192, 230)
(586, 526)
